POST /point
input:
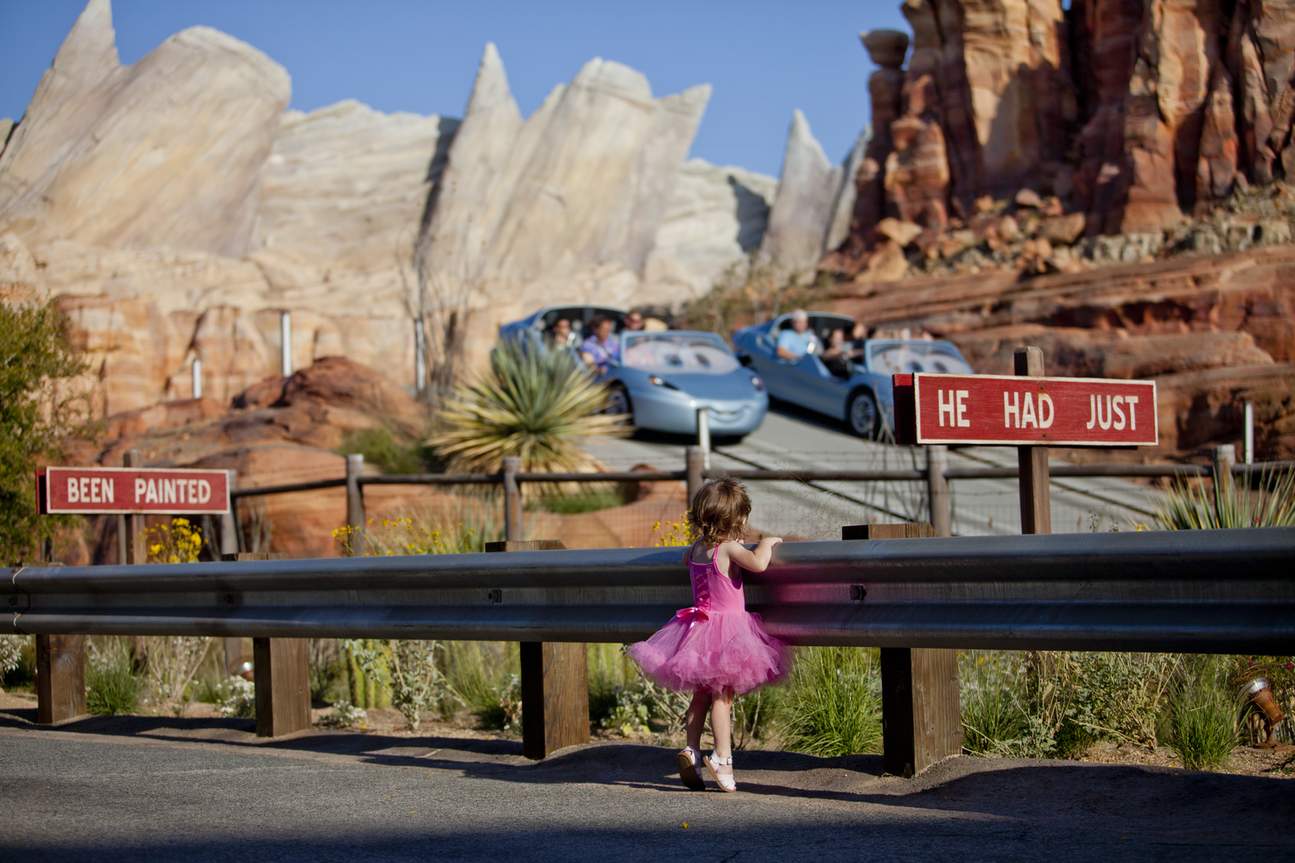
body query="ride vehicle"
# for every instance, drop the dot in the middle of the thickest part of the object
(857, 392)
(662, 378)
(581, 317)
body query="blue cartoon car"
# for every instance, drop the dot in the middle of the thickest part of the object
(854, 385)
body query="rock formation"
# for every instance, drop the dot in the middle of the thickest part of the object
(174, 209)
(566, 203)
(1166, 107)
(167, 152)
(805, 208)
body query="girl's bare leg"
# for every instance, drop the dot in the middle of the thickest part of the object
(721, 723)
(696, 717)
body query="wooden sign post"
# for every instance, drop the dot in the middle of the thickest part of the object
(127, 492)
(1028, 411)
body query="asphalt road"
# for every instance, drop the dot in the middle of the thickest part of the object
(148, 790)
(795, 439)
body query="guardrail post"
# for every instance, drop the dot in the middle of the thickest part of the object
(60, 672)
(355, 502)
(555, 685)
(513, 527)
(1225, 459)
(1036, 497)
(281, 674)
(921, 720)
(695, 469)
(937, 489)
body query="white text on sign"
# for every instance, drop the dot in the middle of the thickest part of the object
(90, 489)
(1021, 411)
(953, 404)
(1107, 412)
(170, 490)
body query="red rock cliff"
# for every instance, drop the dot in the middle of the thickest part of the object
(1132, 112)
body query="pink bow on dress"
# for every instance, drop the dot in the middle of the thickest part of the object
(692, 614)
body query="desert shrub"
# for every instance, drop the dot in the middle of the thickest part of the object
(111, 687)
(171, 661)
(534, 404)
(1055, 703)
(1201, 724)
(238, 699)
(584, 500)
(408, 674)
(1197, 506)
(391, 453)
(832, 703)
(41, 408)
(176, 541)
(11, 647)
(344, 715)
(484, 679)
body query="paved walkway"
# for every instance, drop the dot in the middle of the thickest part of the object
(200, 790)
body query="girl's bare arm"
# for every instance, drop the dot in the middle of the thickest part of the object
(751, 561)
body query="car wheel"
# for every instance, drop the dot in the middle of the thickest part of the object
(618, 403)
(862, 416)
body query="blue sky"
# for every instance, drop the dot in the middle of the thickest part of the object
(763, 58)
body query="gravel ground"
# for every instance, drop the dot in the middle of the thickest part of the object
(161, 788)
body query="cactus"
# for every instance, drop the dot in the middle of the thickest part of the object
(368, 672)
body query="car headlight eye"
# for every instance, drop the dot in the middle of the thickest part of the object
(757, 383)
(658, 381)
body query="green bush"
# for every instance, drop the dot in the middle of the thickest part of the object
(589, 500)
(390, 453)
(111, 687)
(39, 412)
(238, 700)
(1201, 725)
(832, 704)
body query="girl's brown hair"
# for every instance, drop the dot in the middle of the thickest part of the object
(719, 511)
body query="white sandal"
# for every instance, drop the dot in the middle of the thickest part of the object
(689, 761)
(724, 780)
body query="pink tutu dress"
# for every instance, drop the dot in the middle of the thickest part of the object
(716, 644)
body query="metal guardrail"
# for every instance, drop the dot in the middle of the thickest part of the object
(1227, 591)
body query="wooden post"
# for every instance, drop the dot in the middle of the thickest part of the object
(281, 674)
(282, 678)
(229, 547)
(937, 489)
(1225, 458)
(1036, 499)
(355, 516)
(694, 466)
(60, 672)
(135, 553)
(555, 687)
(920, 717)
(513, 527)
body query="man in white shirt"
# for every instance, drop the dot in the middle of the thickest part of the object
(796, 341)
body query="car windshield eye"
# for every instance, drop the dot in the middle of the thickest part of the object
(702, 360)
(674, 361)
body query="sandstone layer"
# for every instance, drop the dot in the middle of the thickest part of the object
(1164, 107)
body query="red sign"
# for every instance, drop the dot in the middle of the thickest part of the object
(999, 409)
(126, 489)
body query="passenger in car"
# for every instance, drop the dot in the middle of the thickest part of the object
(797, 340)
(838, 353)
(560, 335)
(601, 349)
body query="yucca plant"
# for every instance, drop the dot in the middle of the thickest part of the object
(1229, 504)
(534, 404)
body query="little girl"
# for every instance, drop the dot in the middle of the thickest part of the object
(715, 648)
